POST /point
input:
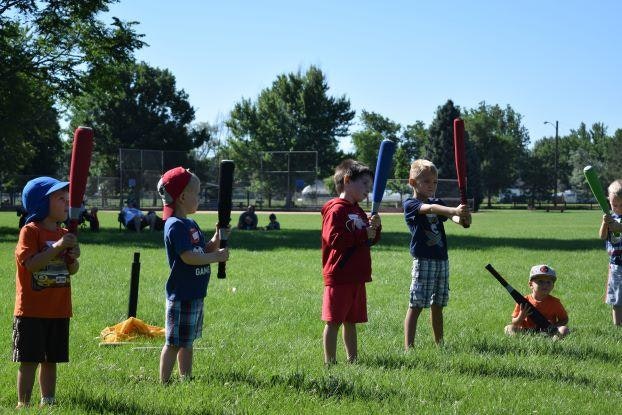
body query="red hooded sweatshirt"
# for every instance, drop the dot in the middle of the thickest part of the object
(345, 253)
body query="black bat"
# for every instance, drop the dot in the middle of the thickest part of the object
(134, 280)
(535, 316)
(225, 192)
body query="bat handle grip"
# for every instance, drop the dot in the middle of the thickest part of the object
(72, 226)
(464, 201)
(222, 266)
(372, 213)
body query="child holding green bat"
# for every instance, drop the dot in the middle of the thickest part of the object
(610, 229)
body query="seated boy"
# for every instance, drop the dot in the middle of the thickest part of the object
(274, 224)
(541, 281)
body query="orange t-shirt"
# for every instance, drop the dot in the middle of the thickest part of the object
(47, 292)
(551, 308)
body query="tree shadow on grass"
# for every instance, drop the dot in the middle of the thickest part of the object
(106, 236)
(391, 239)
(311, 239)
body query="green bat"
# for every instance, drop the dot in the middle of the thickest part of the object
(597, 189)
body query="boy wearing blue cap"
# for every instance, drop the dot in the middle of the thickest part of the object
(46, 257)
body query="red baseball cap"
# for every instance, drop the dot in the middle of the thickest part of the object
(171, 185)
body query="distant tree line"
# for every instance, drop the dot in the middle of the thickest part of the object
(59, 58)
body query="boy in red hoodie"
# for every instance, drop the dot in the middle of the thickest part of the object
(346, 258)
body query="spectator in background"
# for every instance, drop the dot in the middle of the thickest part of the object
(248, 219)
(155, 222)
(132, 218)
(274, 225)
(92, 219)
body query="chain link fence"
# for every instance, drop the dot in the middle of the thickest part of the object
(110, 194)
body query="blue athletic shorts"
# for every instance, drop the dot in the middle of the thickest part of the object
(430, 283)
(184, 322)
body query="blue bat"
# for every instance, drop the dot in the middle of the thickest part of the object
(383, 169)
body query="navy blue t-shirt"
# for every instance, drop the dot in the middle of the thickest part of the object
(427, 233)
(185, 282)
(614, 243)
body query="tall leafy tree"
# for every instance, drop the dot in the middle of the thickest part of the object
(500, 142)
(61, 41)
(414, 141)
(537, 173)
(29, 130)
(439, 148)
(613, 159)
(47, 48)
(410, 140)
(375, 129)
(583, 146)
(145, 110)
(294, 113)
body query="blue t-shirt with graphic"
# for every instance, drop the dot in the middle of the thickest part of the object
(185, 282)
(614, 243)
(427, 233)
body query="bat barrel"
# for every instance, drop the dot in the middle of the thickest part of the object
(80, 162)
(383, 170)
(495, 274)
(225, 194)
(134, 280)
(597, 189)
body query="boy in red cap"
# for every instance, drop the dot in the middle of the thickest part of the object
(189, 257)
(541, 281)
(46, 257)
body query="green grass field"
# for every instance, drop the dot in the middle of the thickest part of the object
(261, 350)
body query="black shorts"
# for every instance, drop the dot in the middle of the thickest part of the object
(40, 339)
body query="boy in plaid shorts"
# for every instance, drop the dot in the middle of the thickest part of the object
(189, 257)
(46, 258)
(424, 216)
(611, 233)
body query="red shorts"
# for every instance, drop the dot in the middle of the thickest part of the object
(345, 303)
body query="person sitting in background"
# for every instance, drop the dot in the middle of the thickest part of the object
(132, 218)
(274, 225)
(248, 219)
(92, 219)
(155, 222)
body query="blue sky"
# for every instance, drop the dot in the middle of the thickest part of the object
(550, 60)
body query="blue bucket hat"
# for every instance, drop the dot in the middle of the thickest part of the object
(36, 197)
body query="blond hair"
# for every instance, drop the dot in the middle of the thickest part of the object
(420, 166)
(615, 188)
